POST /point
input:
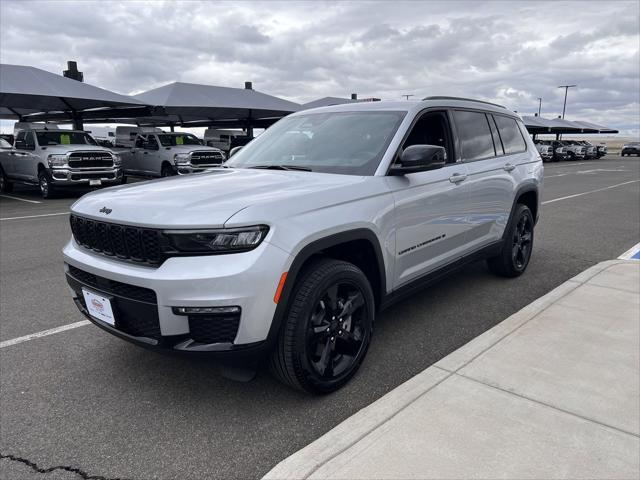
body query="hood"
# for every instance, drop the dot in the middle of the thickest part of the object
(205, 200)
(52, 149)
(190, 148)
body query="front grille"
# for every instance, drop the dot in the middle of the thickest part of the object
(112, 287)
(214, 328)
(90, 160)
(206, 158)
(128, 243)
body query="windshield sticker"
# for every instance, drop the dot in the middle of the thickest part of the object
(65, 139)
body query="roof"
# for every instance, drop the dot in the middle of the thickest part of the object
(25, 90)
(412, 106)
(213, 102)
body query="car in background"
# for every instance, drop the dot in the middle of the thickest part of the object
(575, 151)
(164, 154)
(559, 151)
(7, 137)
(49, 157)
(545, 150)
(591, 151)
(632, 148)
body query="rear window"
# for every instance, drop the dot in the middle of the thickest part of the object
(511, 136)
(474, 134)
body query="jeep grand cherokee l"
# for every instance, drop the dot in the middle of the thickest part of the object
(288, 252)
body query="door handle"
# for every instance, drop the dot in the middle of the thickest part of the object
(509, 167)
(457, 177)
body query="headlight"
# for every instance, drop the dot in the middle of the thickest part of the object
(181, 158)
(57, 160)
(224, 240)
(117, 160)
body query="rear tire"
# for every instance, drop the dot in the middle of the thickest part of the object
(327, 329)
(47, 190)
(5, 185)
(517, 247)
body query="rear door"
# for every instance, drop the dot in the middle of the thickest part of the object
(491, 182)
(430, 217)
(25, 160)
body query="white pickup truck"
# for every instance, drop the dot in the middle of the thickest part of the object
(51, 158)
(163, 154)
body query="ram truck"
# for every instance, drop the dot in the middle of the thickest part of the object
(164, 154)
(285, 255)
(53, 158)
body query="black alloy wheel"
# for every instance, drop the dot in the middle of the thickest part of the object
(517, 245)
(336, 331)
(522, 242)
(327, 329)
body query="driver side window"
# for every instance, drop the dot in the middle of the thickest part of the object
(139, 142)
(432, 129)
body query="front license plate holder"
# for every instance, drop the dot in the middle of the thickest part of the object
(99, 307)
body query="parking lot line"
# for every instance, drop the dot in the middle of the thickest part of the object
(18, 198)
(35, 216)
(44, 333)
(632, 253)
(590, 191)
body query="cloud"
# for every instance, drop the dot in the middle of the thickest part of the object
(508, 52)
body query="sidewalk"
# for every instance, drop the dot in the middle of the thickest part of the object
(551, 392)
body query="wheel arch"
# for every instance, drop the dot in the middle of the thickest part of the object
(529, 196)
(358, 246)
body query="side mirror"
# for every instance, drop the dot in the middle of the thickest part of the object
(419, 158)
(234, 150)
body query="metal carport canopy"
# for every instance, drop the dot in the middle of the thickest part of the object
(27, 90)
(596, 128)
(190, 102)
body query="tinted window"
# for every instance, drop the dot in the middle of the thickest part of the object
(30, 141)
(510, 134)
(475, 135)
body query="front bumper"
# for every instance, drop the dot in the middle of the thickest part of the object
(247, 280)
(74, 176)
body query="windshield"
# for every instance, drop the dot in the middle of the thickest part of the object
(52, 137)
(171, 140)
(350, 143)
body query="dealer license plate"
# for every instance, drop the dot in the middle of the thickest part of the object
(94, 183)
(99, 307)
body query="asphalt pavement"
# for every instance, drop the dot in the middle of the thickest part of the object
(87, 401)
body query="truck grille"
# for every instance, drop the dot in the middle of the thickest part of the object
(125, 242)
(90, 160)
(207, 158)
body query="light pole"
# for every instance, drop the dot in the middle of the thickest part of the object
(539, 105)
(566, 89)
(407, 95)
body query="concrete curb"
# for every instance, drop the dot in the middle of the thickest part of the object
(306, 461)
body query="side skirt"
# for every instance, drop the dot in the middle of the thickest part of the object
(431, 278)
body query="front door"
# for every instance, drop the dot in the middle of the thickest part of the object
(430, 207)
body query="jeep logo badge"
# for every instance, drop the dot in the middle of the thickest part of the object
(105, 210)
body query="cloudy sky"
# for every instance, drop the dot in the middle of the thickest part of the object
(508, 52)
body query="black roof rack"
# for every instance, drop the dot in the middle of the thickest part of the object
(463, 99)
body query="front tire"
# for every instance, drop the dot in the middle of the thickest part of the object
(327, 329)
(5, 185)
(518, 245)
(167, 171)
(47, 190)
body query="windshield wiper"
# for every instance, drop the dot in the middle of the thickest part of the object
(282, 167)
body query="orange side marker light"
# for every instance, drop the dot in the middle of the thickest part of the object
(283, 278)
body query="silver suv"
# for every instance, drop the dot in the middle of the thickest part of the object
(289, 251)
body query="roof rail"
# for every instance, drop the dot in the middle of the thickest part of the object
(463, 99)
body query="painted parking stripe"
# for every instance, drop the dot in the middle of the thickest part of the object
(44, 333)
(18, 198)
(590, 191)
(35, 216)
(632, 253)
